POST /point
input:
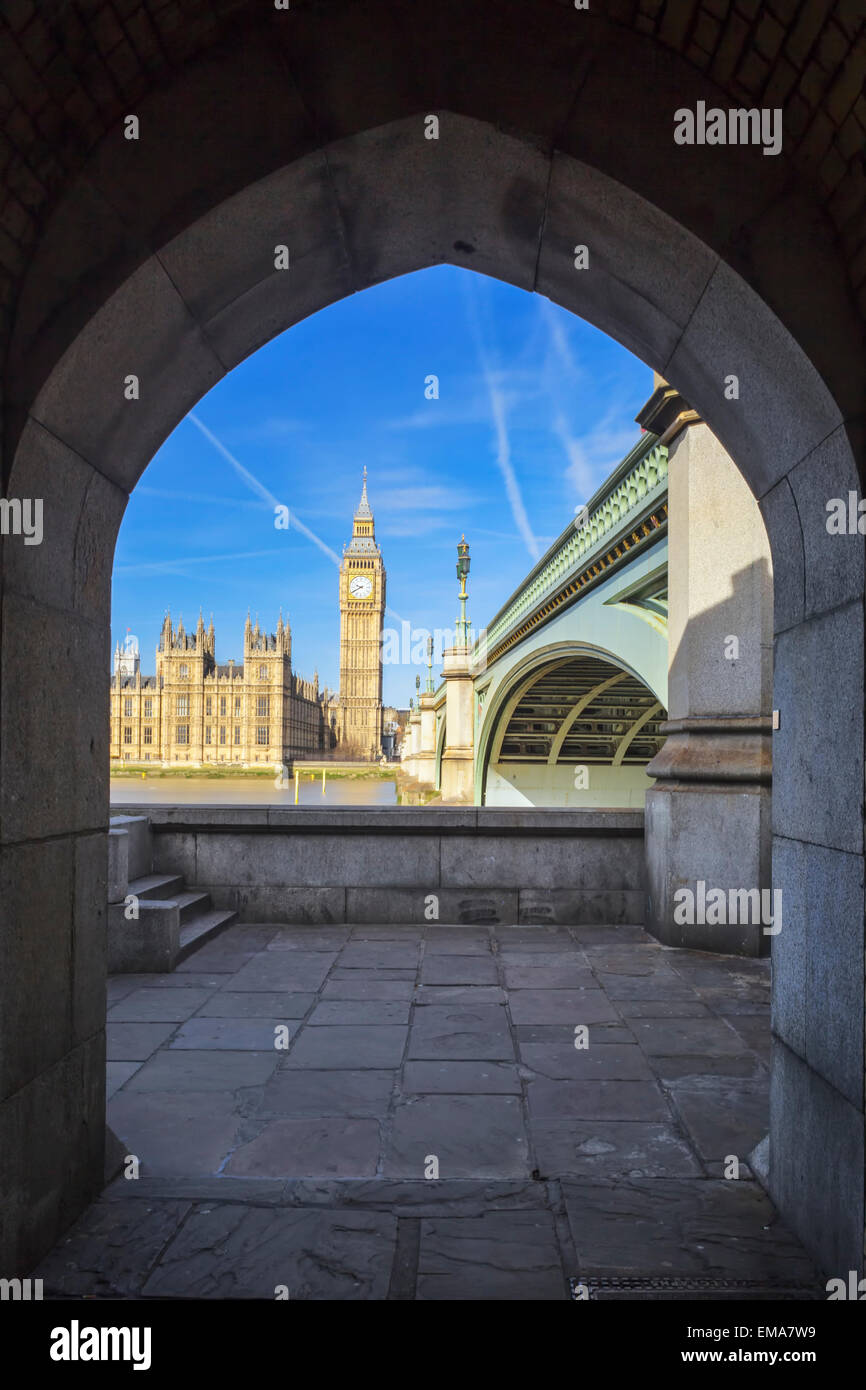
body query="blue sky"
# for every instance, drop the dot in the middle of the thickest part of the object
(535, 408)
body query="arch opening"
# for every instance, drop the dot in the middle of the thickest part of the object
(180, 324)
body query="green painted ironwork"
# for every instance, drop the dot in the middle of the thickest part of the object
(635, 487)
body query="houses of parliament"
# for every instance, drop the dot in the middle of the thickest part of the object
(197, 712)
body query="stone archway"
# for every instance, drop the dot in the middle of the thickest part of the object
(158, 262)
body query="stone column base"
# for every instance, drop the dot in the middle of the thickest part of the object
(704, 837)
(458, 777)
(425, 769)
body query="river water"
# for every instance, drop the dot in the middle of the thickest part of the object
(251, 791)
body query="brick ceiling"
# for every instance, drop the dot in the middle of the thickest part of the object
(72, 68)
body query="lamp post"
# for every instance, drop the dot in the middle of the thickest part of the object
(462, 574)
(430, 690)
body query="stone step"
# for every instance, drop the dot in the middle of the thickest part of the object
(201, 929)
(146, 943)
(140, 857)
(163, 886)
(191, 903)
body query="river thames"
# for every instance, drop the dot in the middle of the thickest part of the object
(252, 791)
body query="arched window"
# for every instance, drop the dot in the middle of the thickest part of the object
(184, 672)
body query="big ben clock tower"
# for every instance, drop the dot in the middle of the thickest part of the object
(362, 607)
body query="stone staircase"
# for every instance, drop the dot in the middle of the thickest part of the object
(154, 920)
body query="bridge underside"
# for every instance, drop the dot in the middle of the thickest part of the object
(579, 733)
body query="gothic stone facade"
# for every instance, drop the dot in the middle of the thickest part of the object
(196, 712)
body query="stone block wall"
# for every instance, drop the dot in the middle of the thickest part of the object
(389, 864)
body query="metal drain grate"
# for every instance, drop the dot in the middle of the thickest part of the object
(650, 1284)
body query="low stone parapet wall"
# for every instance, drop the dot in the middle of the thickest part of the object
(406, 864)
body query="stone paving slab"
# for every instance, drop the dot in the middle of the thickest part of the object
(564, 1033)
(457, 941)
(117, 1074)
(325, 1093)
(561, 1006)
(535, 938)
(188, 980)
(561, 1061)
(634, 960)
(359, 1011)
(187, 1133)
(662, 1008)
(344, 1047)
(233, 1034)
(478, 1136)
(612, 1148)
(686, 1065)
(235, 1251)
(447, 1041)
(358, 985)
(459, 994)
(652, 984)
(600, 934)
(294, 971)
(723, 1116)
(255, 1004)
(159, 1005)
(388, 931)
(511, 1256)
(381, 955)
(135, 1042)
(384, 974)
(308, 939)
(180, 1070)
(680, 1227)
(548, 977)
(459, 970)
(669, 1036)
(462, 1045)
(423, 1197)
(597, 1100)
(112, 1248)
(461, 1078)
(219, 957)
(754, 1032)
(460, 1033)
(324, 1147)
(531, 959)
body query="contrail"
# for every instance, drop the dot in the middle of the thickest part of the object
(258, 488)
(261, 491)
(503, 443)
(157, 565)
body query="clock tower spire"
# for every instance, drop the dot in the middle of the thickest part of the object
(362, 608)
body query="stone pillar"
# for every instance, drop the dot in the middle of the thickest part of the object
(457, 782)
(708, 822)
(425, 762)
(413, 738)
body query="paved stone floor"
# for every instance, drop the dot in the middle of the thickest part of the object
(306, 1166)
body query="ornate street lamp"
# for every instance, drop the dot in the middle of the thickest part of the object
(430, 690)
(462, 575)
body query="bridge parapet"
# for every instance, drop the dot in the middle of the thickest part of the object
(632, 493)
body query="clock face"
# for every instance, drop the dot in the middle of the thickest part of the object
(360, 586)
